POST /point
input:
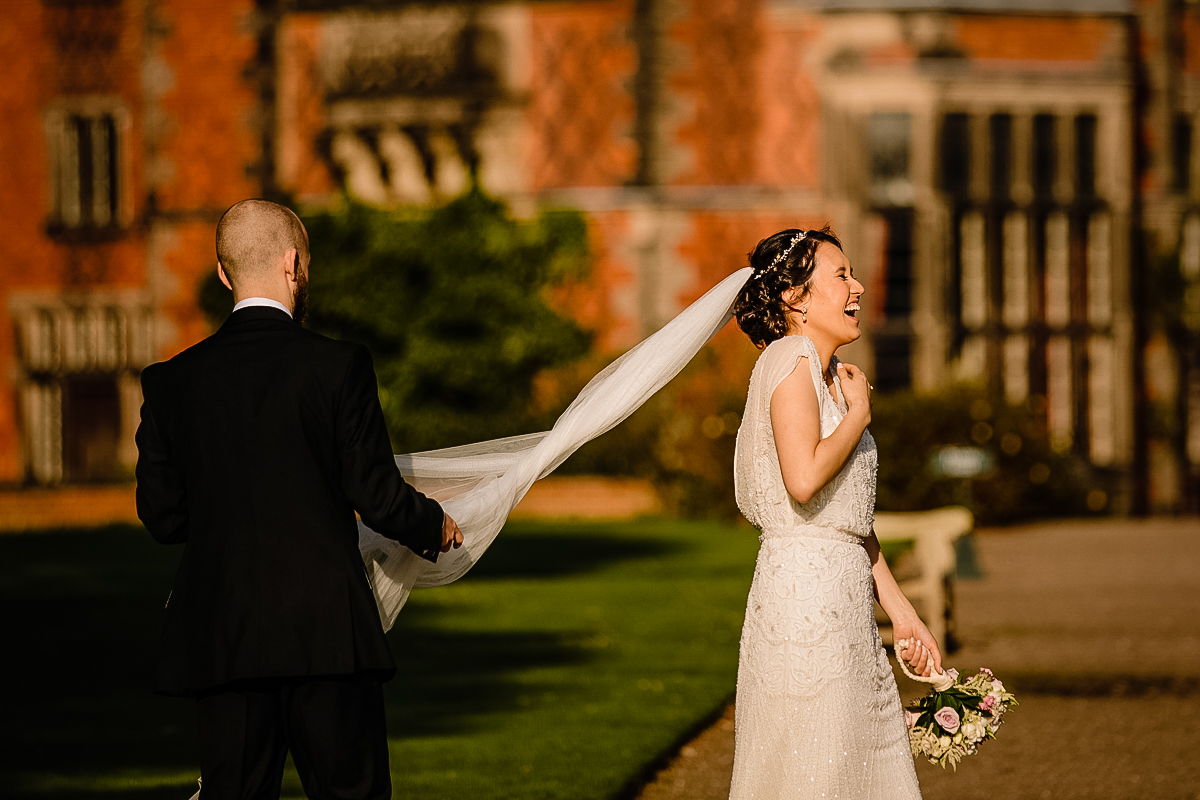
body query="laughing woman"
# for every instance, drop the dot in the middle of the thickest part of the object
(818, 714)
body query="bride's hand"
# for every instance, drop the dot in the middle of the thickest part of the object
(923, 660)
(855, 386)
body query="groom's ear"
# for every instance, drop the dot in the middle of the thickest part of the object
(292, 264)
(224, 278)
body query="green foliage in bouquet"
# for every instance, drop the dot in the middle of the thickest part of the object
(453, 302)
(1029, 477)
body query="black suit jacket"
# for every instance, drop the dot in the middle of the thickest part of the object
(256, 447)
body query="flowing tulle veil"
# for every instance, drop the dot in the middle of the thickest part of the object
(479, 484)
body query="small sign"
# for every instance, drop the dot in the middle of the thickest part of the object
(961, 462)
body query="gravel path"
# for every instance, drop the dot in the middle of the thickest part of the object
(1096, 625)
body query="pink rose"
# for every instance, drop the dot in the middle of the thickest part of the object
(948, 718)
(910, 718)
(988, 703)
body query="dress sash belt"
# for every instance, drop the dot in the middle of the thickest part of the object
(803, 531)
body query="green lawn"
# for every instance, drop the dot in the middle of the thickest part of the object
(562, 666)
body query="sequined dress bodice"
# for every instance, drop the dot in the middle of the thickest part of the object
(847, 503)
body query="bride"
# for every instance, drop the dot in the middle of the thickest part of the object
(818, 714)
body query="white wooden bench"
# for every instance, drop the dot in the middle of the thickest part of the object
(926, 573)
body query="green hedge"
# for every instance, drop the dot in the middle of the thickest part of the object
(1030, 478)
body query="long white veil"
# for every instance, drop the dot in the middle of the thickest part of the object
(479, 484)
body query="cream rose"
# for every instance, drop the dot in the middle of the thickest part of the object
(973, 730)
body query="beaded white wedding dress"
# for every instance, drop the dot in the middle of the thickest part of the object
(818, 713)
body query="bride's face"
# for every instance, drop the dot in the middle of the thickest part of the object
(831, 302)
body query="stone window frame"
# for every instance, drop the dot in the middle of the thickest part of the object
(57, 117)
(48, 325)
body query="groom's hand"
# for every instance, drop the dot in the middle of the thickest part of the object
(451, 535)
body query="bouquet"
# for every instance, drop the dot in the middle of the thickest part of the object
(957, 716)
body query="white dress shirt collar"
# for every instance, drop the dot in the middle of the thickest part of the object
(262, 301)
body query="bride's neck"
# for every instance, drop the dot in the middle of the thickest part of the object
(824, 352)
(825, 349)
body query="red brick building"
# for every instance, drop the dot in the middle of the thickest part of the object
(1002, 172)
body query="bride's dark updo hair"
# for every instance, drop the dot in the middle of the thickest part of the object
(760, 310)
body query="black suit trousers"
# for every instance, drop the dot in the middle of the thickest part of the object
(334, 727)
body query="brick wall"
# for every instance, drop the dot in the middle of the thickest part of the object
(580, 114)
(300, 114)
(56, 53)
(1040, 39)
(178, 77)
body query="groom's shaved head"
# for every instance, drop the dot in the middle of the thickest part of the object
(253, 234)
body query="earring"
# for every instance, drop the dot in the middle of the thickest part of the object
(804, 315)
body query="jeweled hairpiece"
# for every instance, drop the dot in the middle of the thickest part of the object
(779, 259)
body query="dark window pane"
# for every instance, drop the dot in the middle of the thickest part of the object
(83, 138)
(91, 428)
(1000, 132)
(1085, 156)
(1044, 161)
(892, 343)
(113, 164)
(103, 170)
(1181, 146)
(952, 295)
(892, 354)
(897, 301)
(956, 155)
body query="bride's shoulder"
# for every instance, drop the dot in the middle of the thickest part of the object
(785, 348)
(779, 358)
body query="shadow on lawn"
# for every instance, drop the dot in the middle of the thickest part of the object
(446, 680)
(81, 610)
(549, 554)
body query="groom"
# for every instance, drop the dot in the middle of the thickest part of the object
(256, 448)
